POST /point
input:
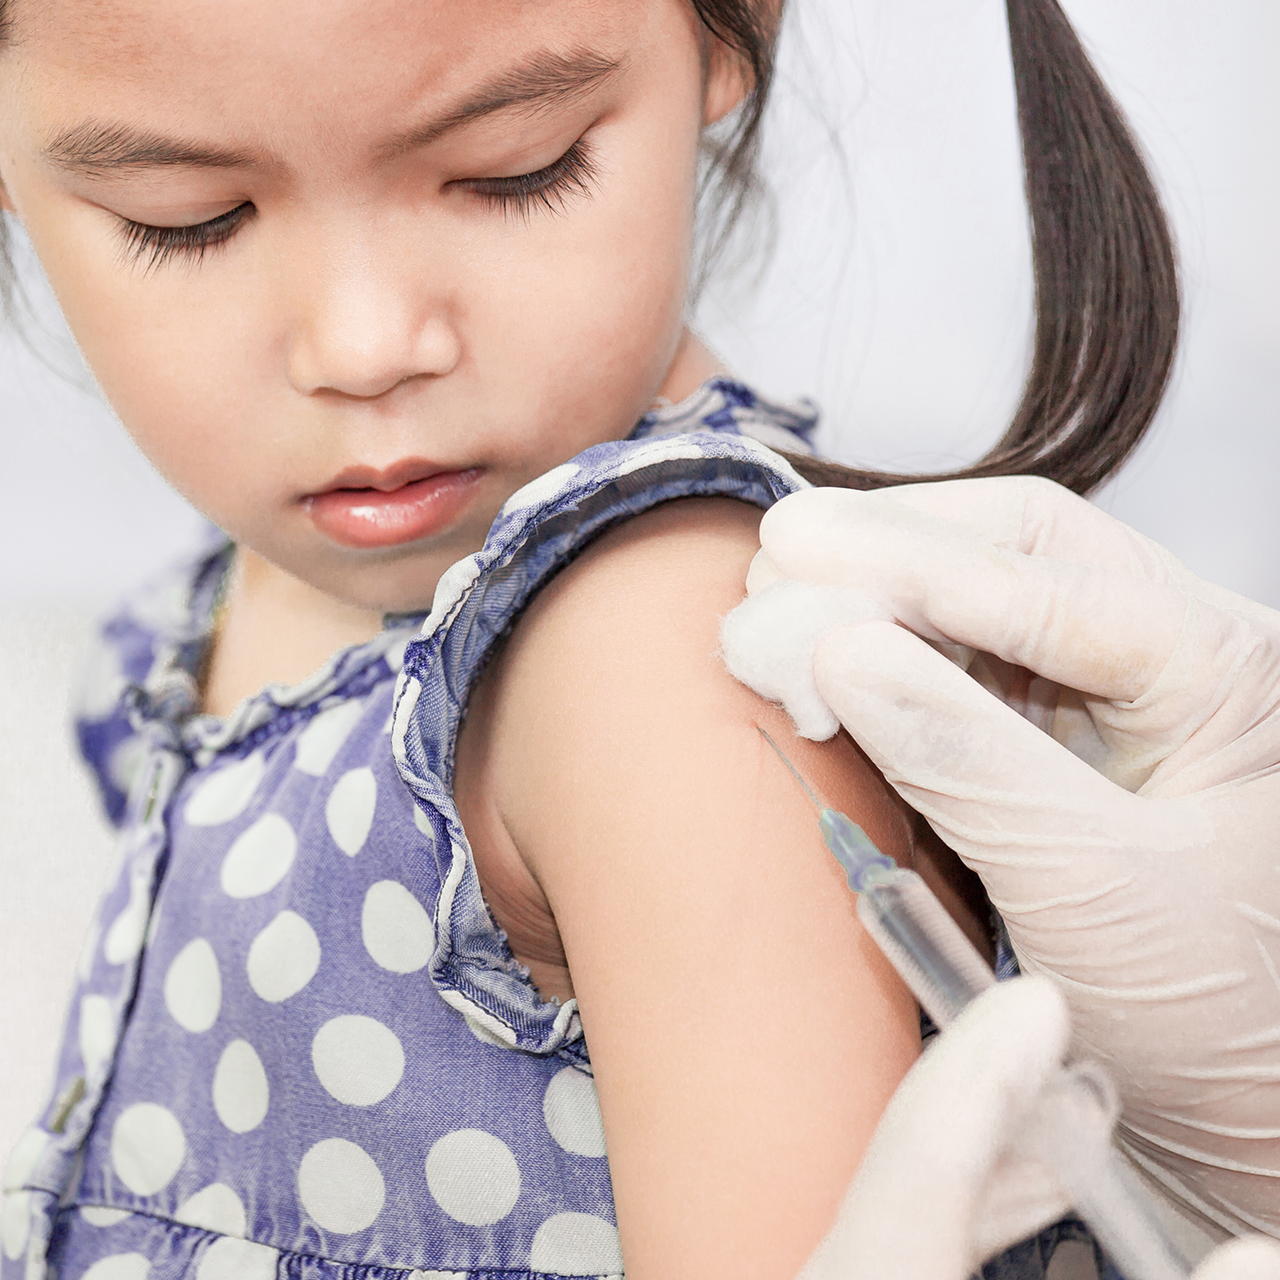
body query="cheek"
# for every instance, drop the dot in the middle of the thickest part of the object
(179, 361)
(592, 314)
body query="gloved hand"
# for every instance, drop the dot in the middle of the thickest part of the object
(1127, 829)
(942, 1186)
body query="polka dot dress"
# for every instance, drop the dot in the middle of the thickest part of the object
(298, 1046)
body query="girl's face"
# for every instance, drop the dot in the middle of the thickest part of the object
(353, 271)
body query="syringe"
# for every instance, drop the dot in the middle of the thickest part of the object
(1071, 1128)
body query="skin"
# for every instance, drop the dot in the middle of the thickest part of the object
(745, 1033)
(633, 834)
(372, 308)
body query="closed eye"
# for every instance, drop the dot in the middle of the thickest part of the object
(155, 246)
(574, 173)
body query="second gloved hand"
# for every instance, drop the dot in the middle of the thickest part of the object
(944, 1185)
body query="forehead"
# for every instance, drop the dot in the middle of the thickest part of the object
(272, 61)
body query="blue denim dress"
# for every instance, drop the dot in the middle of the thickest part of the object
(299, 1047)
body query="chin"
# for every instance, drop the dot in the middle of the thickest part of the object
(389, 588)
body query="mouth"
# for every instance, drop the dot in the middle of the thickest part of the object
(414, 499)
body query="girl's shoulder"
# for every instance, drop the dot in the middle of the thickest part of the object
(606, 511)
(707, 446)
(703, 925)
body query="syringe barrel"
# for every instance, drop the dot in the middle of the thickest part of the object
(945, 972)
(924, 944)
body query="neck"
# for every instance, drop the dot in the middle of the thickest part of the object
(276, 629)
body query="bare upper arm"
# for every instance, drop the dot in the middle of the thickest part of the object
(744, 1032)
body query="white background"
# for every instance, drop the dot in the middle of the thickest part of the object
(898, 297)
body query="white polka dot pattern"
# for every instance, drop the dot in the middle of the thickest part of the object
(126, 762)
(299, 922)
(260, 858)
(322, 739)
(576, 1244)
(572, 1112)
(349, 810)
(283, 958)
(24, 1157)
(193, 987)
(96, 1032)
(230, 1259)
(473, 1176)
(15, 1223)
(147, 1147)
(124, 937)
(99, 1216)
(216, 1208)
(226, 794)
(240, 1091)
(357, 1059)
(395, 653)
(423, 823)
(396, 929)
(340, 1186)
(120, 1266)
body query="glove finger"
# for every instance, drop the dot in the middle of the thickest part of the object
(1107, 633)
(914, 1209)
(1040, 518)
(1251, 1258)
(1052, 839)
(1019, 513)
(945, 742)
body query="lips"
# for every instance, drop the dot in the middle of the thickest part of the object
(410, 500)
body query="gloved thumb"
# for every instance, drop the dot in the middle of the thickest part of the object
(922, 1204)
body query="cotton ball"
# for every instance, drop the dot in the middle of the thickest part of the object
(768, 641)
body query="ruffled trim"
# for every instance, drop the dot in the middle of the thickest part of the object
(725, 404)
(144, 677)
(541, 528)
(350, 673)
(168, 627)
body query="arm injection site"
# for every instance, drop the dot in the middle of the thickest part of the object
(475, 911)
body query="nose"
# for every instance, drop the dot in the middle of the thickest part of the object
(366, 324)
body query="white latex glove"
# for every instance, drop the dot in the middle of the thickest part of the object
(1132, 840)
(942, 1187)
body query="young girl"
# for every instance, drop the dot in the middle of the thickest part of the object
(396, 295)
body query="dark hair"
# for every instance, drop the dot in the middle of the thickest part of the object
(1106, 283)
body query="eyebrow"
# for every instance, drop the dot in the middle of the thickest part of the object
(545, 80)
(95, 148)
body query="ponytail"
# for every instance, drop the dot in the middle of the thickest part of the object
(1106, 283)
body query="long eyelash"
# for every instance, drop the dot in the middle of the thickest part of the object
(154, 246)
(573, 174)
